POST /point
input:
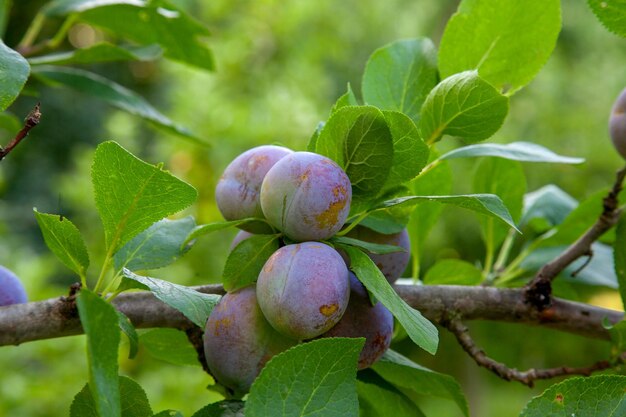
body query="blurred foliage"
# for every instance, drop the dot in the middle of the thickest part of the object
(280, 67)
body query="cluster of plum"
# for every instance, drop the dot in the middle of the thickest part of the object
(305, 290)
(11, 288)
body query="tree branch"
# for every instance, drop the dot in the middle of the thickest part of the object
(57, 317)
(538, 292)
(31, 121)
(461, 332)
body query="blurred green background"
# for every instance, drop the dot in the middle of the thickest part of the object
(280, 67)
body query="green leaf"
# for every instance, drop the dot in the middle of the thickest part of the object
(549, 204)
(419, 329)
(377, 248)
(146, 23)
(413, 379)
(246, 260)
(507, 42)
(100, 52)
(594, 396)
(347, 99)
(101, 326)
(377, 398)
(312, 144)
(410, 153)
(619, 255)
(158, 246)
(463, 105)
(195, 305)
(400, 75)
(132, 194)
(453, 272)
(129, 330)
(65, 241)
(134, 402)
(170, 345)
(112, 93)
(516, 151)
(359, 140)
(225, 408)
(205, 229)
(611, 13)
(486, 204)
(10, 122)
(14, 71)
(169, 413)
(316, 379)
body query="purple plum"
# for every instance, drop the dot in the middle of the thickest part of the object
(238, 341)
(362, 319)
(11, 289)
(617, 124)
(237, 191)
(303, 289)
(307, 196)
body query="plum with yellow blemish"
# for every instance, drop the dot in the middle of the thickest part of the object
(237, 191)
(303, 289)
(238, 340)
(306, 196)
(362, 319)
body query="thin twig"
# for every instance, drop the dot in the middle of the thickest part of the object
(528, 377)
(538, 292)
(31, 121)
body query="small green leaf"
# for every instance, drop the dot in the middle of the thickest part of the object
(195, 305)
(516, 151)
(312, 144)
(487, 204)
(377, 398)
(64, 240)
(246, 260)
(548, 204)
(129, 330)
(594, 396)
(159, 245)
(224, 408)
(112, 93)
(376, 248)
(400, 75)
(463, 105)
(347, 99)
(100, 52)
(101, 326)
(453, 272)
(316, 379)
(134, 402)
(413, 379)
(170, 345)
(359, 140)
(419, 329)
(507, 42)
(132, 194)
(14, 71)
(611, 13)
(205, 229)
(169, 413)
(619, 255)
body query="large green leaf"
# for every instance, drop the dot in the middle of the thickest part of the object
(619, 256)
(453, 272)
(378, 397)
(14, 70)
(134, 402)
(246, 260)
(315, 379)
(419, 329)
(376, 248)
(150, 22)
(413, 379)
(612, 14)
(195, 305)
(359, 140)
(100, 324)
(132, 194)
(157, 246)
(463, 105)
(100, 52)
(65, 241)
(224, 408)
(506, 41)
(114, 94)
(594, 396)
(169, 345)
(398, 76)
(126, 326)
(516, 151)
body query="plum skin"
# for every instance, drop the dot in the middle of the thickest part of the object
(303, 289)
(11, 288)
(307, 196)
(237, 191)
(362, 319)
(238, 341)
(617, 124)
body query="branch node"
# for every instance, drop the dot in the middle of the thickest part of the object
(31, 121)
